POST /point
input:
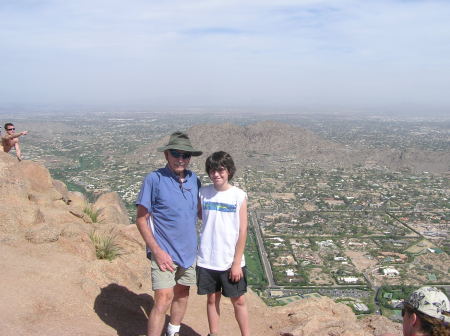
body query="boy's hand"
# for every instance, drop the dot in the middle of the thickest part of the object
(236, 273)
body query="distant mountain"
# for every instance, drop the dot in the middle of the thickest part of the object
(267, 144)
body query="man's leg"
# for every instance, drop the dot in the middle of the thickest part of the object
(241, 314)
(179, 303)
(163, 299)
(213, 310)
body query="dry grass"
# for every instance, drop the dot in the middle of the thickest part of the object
(105, 244)
(93, 214)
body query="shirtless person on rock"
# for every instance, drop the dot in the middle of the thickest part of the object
(10, 140)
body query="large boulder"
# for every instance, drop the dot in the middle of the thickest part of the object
(62, 189)
(40, 184)
(77, 200)
(31, 207)
(16, 210)
(323, 317)
(111, 209)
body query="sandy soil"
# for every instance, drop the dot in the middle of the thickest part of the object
(360, 260)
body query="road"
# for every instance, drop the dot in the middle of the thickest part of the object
(262, 250)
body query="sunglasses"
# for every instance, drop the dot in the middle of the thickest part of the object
(178, 155)
(10, 129)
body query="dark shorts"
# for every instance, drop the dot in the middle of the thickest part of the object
(211, 281)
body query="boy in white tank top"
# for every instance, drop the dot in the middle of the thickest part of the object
(220, 261)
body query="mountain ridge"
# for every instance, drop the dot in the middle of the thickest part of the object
(267, 144)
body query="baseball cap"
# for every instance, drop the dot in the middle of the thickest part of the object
(430, 301)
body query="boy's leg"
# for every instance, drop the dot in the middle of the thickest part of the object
(156, 320)
(241, 314)
(213, 311)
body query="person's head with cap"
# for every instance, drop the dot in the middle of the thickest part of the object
(178, 152)
(426, 312)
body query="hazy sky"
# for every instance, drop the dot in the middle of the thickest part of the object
(226, 52)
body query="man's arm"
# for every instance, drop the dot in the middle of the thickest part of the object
(15, 135)
(236, 270)
(199, 209)
(162, 258)
(18, 153)
(199, 201)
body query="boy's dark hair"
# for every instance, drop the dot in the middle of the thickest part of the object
(220, 159)
(8, 124)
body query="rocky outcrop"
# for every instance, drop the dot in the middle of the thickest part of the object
(77, 199)
(322, 316)
(33, 206)
(111, 209)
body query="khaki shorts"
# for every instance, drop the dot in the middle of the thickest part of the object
(167, 279)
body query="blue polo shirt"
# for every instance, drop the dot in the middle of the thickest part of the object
(173, 209)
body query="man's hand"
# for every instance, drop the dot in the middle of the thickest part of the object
(24, 133)
(236, 273)
(164, 261)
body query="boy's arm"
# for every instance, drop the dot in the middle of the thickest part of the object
(236, 270)
(162, 258)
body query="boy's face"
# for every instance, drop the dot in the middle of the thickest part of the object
(219, 177)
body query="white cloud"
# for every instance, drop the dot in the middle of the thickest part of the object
(225, 52)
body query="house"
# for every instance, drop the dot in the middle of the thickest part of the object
(349, 279)
(390, 272)
(361, 307)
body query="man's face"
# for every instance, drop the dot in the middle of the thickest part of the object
(177, 160)
(10, 129)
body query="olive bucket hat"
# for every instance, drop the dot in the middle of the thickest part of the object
(179, 140)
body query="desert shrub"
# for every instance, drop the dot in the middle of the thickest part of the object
(92, 213)
(105, 245)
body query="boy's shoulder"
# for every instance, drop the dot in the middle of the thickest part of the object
(239, 190)
(236, 190)
(241, 193)
(232, 193)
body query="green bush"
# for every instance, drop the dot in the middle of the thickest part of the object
(93, 214)
(105, 245)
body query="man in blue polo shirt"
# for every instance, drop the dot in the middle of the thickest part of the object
(166, 218)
